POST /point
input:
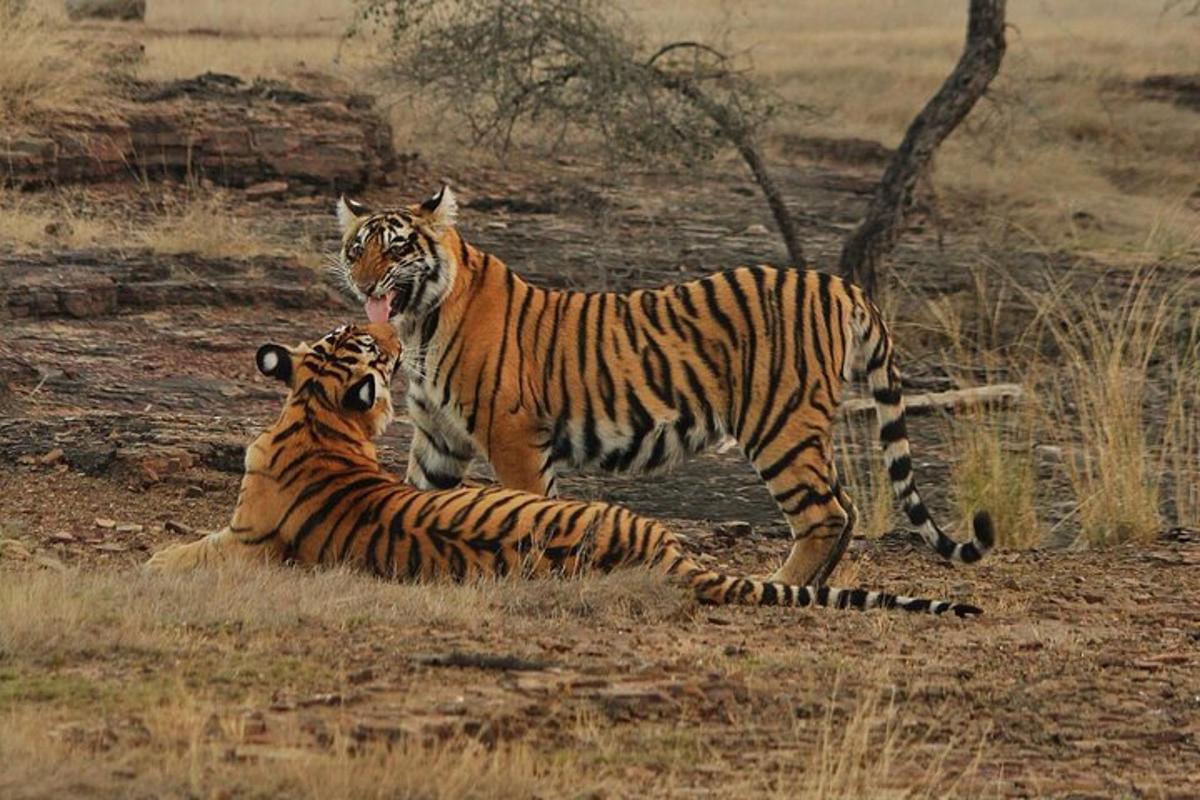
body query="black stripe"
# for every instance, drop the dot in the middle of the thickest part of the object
(893, 431)
(900, 469)
(785, 461)
(887, 397)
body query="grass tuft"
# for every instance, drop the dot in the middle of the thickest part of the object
(1110, 354)
(40, 70)
(994, 469)
(202, 222)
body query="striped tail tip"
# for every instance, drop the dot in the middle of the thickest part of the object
(985, 537)
(964, 610)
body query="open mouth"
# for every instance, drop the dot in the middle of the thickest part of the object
(381, 309)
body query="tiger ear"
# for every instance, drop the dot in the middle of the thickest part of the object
(440, 212)
(275, 361)
(350, 212)
(361, 395)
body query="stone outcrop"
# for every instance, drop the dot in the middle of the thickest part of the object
(216, 127)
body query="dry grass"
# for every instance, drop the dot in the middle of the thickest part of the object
(868, 753)
(1064, 105)
(72, 721)
(30, 224)
(202, 222)
(177, 750)
(252, 39)
(1181, 445)
(1063, 152)
(209, 222)
(1111, 355)
(40, 68)
(868, 483)
(993, 464)
(859, 746)
(994, 468)
(51, 615)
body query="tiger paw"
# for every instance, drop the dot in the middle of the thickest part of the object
(176, 558)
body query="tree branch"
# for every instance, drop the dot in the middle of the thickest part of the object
(879, 230)
(733, 129)
(668, 48)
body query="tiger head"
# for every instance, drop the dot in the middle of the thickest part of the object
(399, 261)
(345, 375)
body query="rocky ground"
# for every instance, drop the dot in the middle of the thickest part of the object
(128, 391)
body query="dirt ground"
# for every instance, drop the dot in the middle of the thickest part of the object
(132, 390)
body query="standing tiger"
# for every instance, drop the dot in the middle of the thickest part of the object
(533, 379)
(314, 493)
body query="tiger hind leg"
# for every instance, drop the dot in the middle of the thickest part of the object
(819, 512)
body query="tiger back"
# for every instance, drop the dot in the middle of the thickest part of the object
(314, 493)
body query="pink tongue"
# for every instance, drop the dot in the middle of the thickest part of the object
(380, 308)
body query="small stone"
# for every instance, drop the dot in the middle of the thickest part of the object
(63, 537)
(323, 699)
(755, 230)
(129, 527)
(112, 547)
(193, 491)
(51, 458)
(733, 529)
(266, 189)
(360, 676)
(106, 523)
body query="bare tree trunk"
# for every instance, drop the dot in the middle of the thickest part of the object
(876, 235)
(743, 139)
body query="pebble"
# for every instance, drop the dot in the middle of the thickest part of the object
(106, 523)
(733, 529)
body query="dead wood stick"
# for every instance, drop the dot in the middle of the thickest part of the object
(1001, 395)
(481, 661)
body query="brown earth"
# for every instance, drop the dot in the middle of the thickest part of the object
(132, 391)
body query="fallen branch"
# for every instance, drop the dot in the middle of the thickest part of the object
(999, 395)
(876, 235)
(482, 661)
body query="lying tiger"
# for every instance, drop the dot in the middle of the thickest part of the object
(537, 379)
(314, 493)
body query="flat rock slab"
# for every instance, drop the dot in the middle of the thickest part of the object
(213, 126)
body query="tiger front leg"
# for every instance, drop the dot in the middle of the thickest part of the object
(519, 461)
(437, 459)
